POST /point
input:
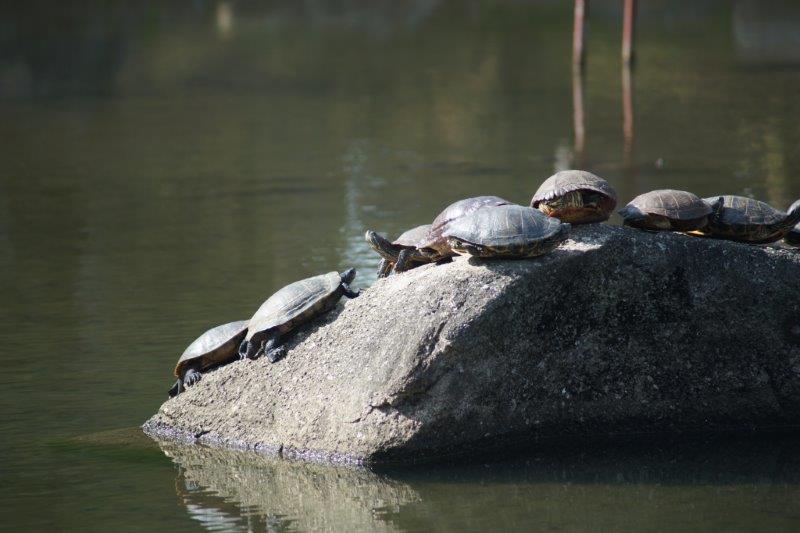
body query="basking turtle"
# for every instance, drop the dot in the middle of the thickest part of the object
(742, 219)
(389, 251)
(575, 196)
(793, 237)
(215, 346)
(506, 231)
(666, 209)
(433, 247)
(290, 307)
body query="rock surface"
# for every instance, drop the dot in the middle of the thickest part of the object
(617, 331)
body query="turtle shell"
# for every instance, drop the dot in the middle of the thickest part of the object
(215, 346)
(568, 181)
(410, 238)
(668, 203)
(434, 241)
(747, 220)
(506, 225)
(296, 303)
(743, 211)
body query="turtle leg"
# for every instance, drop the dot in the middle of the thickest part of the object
(272, 350)
(384, 268)
(191, 377)
(249, 349)
(176, 389)
(403, 262)
(350, 293)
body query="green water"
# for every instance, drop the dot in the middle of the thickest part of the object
(167, 167)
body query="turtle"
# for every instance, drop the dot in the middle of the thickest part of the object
(793, 237)
(575, 196)
(215, 346)
(293, 305)
(666, 209)
(433, 247)
(506, 231)
(742, 219)
(389, 251)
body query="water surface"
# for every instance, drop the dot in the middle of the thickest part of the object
(165, 168)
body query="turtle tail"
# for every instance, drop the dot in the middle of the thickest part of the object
(176, 389)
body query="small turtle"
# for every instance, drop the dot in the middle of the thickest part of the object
(576, 196)
(215, 346)
(389, 251)
(666, 209)
(506, 231)
(290, 307)
(742, 219)
(793, 237)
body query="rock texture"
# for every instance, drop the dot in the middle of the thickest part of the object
(618, 331)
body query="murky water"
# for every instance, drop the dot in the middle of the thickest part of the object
(165, 168)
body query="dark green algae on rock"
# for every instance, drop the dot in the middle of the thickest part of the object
(616, 332)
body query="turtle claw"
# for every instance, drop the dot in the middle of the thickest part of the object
(192, 377)
(276, 354)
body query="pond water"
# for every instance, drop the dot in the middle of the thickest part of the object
(167, 167)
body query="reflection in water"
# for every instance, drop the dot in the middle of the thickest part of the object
(708, 484)
(221, 488)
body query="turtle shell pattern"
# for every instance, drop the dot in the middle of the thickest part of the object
(567, 181)
(509, 230)
(296, 303)
(434, 239)
(410, 238)
(214, 346)
(672, 204)
(746, 219)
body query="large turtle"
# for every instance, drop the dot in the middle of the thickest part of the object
(215, 346)
(390, 251)
(290, 307)
(666, 209)
(793, 237)
(506, 231)
(434, 247)
(742, 219)
(576, 196)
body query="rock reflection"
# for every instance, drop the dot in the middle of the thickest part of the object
(661, 485)
(232, 490)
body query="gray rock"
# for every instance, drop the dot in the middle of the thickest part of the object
(616, 332)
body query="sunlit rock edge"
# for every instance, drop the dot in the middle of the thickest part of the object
(616, 332)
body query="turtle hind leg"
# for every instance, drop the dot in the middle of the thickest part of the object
(176, 389)
(273, 350)
(248, 350)
(191, 377)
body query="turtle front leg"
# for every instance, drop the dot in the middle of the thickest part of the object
(349, 292)
(384, 268)
(272, 349)
(403, 260)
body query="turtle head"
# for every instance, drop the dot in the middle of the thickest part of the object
(348, 275)
(716, 208)
(382, 245)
